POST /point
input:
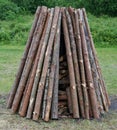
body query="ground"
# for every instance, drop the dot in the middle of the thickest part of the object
(9, 60)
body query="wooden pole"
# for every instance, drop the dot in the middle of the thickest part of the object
(22, 63)
(88, 72)
(31, 55)
(81, 66)
(45, 66)
(45, 92)
(53, 69)
(54, 111)
(75, 63)
(69, 100)
(96, 59)
(95, 75)
(70, 67)
(39, 67)
(28, 92)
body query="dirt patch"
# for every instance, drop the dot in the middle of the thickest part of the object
(15, 122)
(113, 103)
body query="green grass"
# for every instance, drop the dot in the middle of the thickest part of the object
(16, 31)
(10, 58)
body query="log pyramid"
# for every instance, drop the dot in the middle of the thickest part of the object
(59, 74)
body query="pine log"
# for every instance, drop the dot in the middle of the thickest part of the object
(96, 59)
(31, 55)
(70, 67)
(81, 66)
(28, 92)
(76, 65)
(22, 63)
(54, 110)
(45, 92)
(89, 78)
(39, 67)
(95, 75)
(52, 71)
(69, 100)
(45, 66)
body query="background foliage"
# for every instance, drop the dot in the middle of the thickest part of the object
(16, 17)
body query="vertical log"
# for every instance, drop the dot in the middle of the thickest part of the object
(30, 85)
(31, 55)
(45, 92)
(22, 63)
(95, 75)
(81, 66)
(45, 66)
(88, 73)
(54, 111)
(70, 67)
(39, 67)
(96, 59)
(75, 63)
(52, 71)
(69, 100)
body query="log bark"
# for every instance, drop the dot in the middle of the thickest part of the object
(76, 65)
(22, 63)
(45, 66)
(69, 100)
(70, 67)
(39, 67)
(45, 93)
(96, 59)
(54, 111)
(95, 75)
(88, 72)
(31, 55)
(81, 66)
(28, 92)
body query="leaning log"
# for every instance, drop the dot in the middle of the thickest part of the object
(96, 59)
(40, 90)
(31, 55)
(22, 63)
(70, 67)
(39, 66)
(75, 63)
(88, 72)
(81, 66)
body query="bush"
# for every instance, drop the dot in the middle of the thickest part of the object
(99, 7)
(8, 10)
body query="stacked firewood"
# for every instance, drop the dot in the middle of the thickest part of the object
(59, 74)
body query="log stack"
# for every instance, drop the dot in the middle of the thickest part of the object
(59, 74)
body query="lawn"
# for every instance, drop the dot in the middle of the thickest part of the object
(10, 58)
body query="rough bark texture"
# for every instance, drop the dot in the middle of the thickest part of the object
(45, 66)
(59, 74)
(21, 66)
(70, 67)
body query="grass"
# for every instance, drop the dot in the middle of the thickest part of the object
(15, 32)
(10, 58)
